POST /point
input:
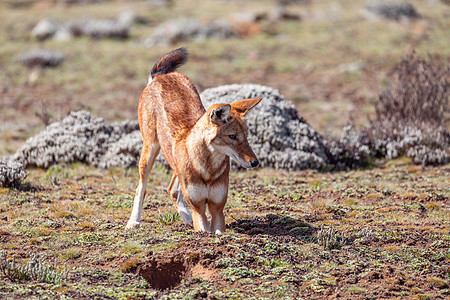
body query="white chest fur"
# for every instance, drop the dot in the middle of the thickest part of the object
(215, 193)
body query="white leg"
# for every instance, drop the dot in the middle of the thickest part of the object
(185, 215)
(145, 166)
(135, 218)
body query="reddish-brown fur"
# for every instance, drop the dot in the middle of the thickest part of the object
(195, 142)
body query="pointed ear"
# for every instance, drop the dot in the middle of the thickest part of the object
(220, 114)
(244, 106)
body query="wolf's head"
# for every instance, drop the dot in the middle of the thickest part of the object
(230, 131)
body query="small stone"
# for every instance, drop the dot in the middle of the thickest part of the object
(45, 29)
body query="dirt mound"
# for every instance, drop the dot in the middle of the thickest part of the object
(165, 271)
(220, 259)
(191, 258)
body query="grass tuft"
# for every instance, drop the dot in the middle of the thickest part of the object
(329, 238)
(168, 218)
(35, 269)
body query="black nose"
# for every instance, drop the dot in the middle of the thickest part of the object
(254, 163)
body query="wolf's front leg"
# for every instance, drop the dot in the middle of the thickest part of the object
(217, 217)
(199, 215)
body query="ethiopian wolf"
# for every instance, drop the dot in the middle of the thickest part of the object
(197, 144)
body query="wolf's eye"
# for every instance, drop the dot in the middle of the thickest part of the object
(232, 136)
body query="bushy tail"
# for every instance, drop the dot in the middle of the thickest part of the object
(170, 62)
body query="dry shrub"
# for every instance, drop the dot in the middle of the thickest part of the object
(412, 117)
(412, 113)
(418, 94)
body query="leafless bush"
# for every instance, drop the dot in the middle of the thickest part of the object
(329, 238)
(412, 117)
(418, 94)
(412, 113)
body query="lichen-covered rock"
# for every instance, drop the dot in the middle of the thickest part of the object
(384, 140)
(78, 137)
(180, 30)
(81, 1)
(63, 34)
(124, 152)
(279, 137)
(427, 146)
(118, 27)
(351, 150)
(390, 10)
(12, 173)
(100, 29)
(41, 58)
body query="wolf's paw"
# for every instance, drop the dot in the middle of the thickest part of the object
(132, 225)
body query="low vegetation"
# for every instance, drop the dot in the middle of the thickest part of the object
(378, 233)
(376, 226)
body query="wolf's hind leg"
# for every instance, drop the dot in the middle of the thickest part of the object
(148, 155)
(176, 195)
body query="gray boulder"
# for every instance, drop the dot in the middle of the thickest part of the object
(279, 137)
(181, 30)
(12, 173)
(41, 58)
(390, 10)
(45, 29)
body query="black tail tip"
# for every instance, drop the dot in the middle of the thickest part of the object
(170, 62)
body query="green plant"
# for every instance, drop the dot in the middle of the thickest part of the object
(168, 218)
(329, 238)
(35, 269)
(356, 290)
